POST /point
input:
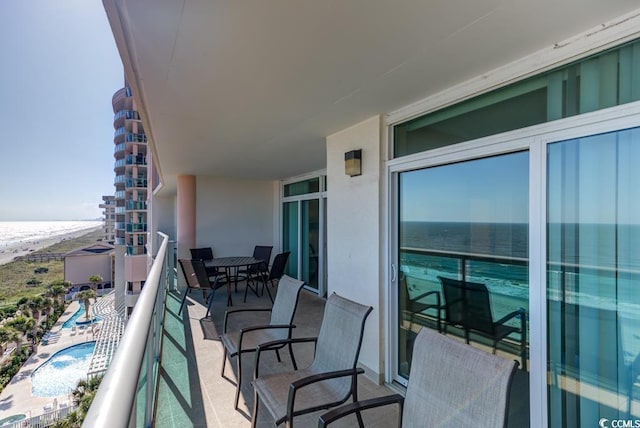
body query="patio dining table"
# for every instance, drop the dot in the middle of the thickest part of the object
(234, 263)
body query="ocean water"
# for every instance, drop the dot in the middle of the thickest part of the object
(592, 265)
(15, 233)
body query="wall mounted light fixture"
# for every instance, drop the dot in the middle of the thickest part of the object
(353, 163)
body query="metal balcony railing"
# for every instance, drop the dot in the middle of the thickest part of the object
(133, 374)
(136, 227)
(136, 160)
(136, 205)
(135, 138)
(136, 182)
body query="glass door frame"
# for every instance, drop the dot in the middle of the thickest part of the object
(321, 197)
(535, 140)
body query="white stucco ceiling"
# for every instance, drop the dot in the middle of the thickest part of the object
(251, 88)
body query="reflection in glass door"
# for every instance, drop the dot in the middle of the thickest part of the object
(464, 227)
(593, 275)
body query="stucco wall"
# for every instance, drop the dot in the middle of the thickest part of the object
(233, 216)
(78, 269)
(353, 230)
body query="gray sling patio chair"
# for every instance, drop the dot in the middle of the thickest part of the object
(279, 327)
(451, 385)
(332, 376)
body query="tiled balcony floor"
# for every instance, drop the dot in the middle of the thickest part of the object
(193, 394)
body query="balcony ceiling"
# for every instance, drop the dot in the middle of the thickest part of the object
(252, 88)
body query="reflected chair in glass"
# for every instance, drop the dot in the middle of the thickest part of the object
(279, 327)
(197, 278)
(332, 376)
(467, 305)
(451, 385)
(413, 305)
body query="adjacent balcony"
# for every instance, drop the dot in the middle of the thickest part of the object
(136, 138)
(136, 183)
(136, 205)
(136, 250)
(136, 227)
(135, 160)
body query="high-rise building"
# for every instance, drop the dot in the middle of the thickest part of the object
(109, 228)
(130, 168)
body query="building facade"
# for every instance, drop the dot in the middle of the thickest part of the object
(130, 153)
(109, 213)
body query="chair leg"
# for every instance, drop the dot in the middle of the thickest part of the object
(293, 359)
(224, 360)
(184, 300)
(354, 393)
(254, 417)
(238, 382)
(210, 304)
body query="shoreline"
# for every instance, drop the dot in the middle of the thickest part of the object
(9, 252)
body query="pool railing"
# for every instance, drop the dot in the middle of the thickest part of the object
(126, 396)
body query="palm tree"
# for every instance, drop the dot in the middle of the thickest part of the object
(95, 280)
(85, 296)
(5, 336)
(22, 325)
(36, 306)
(58, 288)
(83, 397)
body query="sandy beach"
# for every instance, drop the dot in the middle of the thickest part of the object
(10, 251)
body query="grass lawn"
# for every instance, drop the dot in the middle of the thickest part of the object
(15, 275)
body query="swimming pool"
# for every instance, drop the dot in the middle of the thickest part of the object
(60, 374)
(74, 319)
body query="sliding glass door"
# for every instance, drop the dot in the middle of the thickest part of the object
(303, 232)
(593, 279)
(464, 223)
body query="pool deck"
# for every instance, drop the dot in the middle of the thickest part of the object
(16, 398)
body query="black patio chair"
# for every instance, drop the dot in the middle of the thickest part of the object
(255, 273)
(467, 305)
(419, 304)
(276, 271)
(197, 278)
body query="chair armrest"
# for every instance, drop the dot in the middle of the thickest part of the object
(513, 314)
(429, 293)
(301, 383)
(262, 327)
(358, 406)
(277, 344)
(235, 311)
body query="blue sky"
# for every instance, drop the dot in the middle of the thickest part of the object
(491, 190)
(60, 68)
